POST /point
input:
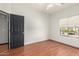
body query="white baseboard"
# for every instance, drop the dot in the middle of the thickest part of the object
(34, 42)
(63, 42)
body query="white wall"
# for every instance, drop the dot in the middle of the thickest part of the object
(39, 26)
(5, 7)
(36, 23)
(55, 31)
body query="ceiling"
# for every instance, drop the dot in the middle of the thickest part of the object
(49, 7)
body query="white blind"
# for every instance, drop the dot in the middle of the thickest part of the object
(70, 22)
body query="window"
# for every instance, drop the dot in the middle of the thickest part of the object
(69, 31)
(69, 27)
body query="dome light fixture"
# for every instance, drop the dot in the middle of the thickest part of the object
(53, 4)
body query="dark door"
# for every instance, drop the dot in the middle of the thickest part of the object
(16, 31)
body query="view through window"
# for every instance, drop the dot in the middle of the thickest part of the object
(69, 27)
(69, 31)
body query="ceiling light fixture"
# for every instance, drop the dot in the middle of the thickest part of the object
(49, 6)
(52, 5)
(59, 4)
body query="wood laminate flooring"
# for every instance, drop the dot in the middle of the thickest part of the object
(3, 47)
(44, 48)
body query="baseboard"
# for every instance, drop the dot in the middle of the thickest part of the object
(63, 43)
(3, 43)
(51, 40)
(27, 43)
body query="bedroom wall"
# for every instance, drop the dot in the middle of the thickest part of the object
(55, 31)
(35, 23)
(5, 7)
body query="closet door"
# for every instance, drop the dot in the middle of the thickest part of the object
(16, 31)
